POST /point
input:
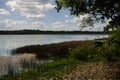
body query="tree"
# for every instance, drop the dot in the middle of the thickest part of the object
(99, 10)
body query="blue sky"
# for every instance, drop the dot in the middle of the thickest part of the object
(38, 15)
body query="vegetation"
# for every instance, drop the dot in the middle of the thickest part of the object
(85, 53)
(105, 50)
(66, 56)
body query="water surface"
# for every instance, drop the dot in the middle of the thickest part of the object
(8, 42)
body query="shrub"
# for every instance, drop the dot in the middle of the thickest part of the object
(116, 41)
(84, 53)
(110, 48)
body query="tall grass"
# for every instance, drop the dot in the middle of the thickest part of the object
(54, 70)
(13, 67)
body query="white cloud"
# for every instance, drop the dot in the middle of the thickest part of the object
(97, 27)
(66, 16)
(77, 19)
(10, 24)
(37, 16)
(58, 26)
(4, 12)
(62, 26)
(33, 8)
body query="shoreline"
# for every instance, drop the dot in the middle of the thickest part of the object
(55, 49)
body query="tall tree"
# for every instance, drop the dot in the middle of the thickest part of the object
(99, 10)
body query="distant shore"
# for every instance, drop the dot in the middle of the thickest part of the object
(31, 32)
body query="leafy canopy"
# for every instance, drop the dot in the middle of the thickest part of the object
(99, 10)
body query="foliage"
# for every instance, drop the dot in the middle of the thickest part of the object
(86, 53)
(110, 48)
(99, 10)
(116, 41)
(107, 50)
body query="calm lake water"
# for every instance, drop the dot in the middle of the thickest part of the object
(8, 42)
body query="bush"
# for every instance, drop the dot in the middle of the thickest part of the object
(113, 45)
(116, 41)
(110, 49)
(84, 53)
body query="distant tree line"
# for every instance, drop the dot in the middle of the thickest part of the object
(49, 32)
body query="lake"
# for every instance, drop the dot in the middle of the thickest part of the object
(8, 42)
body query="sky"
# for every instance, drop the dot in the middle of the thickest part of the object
(39, 15)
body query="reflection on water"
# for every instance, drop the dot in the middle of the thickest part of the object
(8, 42)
